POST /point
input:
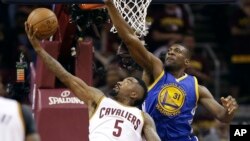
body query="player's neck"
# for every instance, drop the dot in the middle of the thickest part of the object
(123, 101)
(178, 73)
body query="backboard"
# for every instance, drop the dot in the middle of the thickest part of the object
(100, 1)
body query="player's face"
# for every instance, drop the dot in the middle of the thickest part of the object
(175, 57)
(126, 87)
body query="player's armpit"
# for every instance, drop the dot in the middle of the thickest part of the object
(149, 129)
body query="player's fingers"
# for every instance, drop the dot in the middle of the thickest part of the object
(233, 106)
(29, 29)
(231, 110)
(230, 102)
(223, 101)
(229, 98)
(34, 34)
(36, 30)
(26, 26)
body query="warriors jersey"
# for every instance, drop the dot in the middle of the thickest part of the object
(11, 121)
(113, 121)
(171, 103)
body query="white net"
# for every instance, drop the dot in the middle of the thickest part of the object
(134, 12)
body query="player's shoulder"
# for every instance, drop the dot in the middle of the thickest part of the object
(7, 101)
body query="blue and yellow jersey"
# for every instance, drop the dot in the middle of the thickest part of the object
(172, 102)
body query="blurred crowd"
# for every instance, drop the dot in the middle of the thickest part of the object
(217, 35)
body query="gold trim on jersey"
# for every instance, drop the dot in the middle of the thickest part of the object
(20, 113)
(156, 80)
(181, 78)
(97, 105)
(196, 89)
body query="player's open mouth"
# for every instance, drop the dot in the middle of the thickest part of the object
(169, 59)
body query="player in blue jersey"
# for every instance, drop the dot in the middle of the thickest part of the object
(173, 95)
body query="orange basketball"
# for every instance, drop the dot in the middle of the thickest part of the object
(45, 21)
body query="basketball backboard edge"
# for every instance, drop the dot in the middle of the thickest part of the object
(100, 1)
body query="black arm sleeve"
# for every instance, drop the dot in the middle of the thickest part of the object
(30, 126)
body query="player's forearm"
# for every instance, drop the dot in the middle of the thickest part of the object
(225, 117)
(153, 137)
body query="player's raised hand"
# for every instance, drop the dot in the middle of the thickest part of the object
(230, 104)
(31, 35)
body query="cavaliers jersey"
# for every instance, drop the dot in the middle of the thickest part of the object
(113, 121)
(172, 103)
(11, 121)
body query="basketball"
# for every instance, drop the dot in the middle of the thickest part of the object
(45, 21)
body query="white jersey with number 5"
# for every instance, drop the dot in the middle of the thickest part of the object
(11, 121)
(113, 121)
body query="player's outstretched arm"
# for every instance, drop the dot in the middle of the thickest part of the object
(135, 47)
(149, 129)
(224, 112)
(84, 92)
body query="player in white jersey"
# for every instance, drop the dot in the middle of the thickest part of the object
(16, 121)
(113, 119)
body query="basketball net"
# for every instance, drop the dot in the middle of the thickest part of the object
(134, 12)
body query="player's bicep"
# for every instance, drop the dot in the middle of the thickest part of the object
(83, 91)
(149, 129)
(157, 66)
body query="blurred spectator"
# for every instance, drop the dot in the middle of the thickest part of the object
(220, 132)
(113, 75)
(7, 39)
(168, 25)
(14, 116)
(240, 57)
(199, 64)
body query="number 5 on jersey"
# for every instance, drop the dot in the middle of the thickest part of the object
(118, 128)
